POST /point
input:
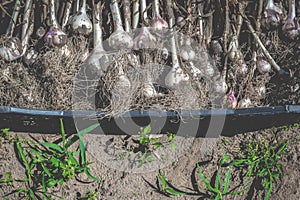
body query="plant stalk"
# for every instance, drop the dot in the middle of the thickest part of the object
(127, 15)
(261, 45)
(13, 21)
(136, 14)
(114, 7)
(67, 12)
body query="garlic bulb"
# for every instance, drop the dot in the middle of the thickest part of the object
(144, 39)
(56, 36)
(158, 22)
(119, 39)
(233, 51)
(232, 99)
(12, 50)
(30, 56)
(262, 65)
(186, 51)
(244, 103)
(272, 15)
(81, 23)
(291, 28)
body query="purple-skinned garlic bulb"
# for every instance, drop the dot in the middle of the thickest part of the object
(158, 22)
(119, 39)
(81, 23)
(291, 28)
(56, 37)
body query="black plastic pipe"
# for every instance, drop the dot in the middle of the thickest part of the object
(191, 123)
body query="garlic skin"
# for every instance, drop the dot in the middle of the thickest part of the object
(12, 50)
(119, 39)
(272, 16)
(260, 91)
(262, 65)
(221, 87)
(232, 98)
(234, 53)
(186, 51)
(158, 22)
(291, 28)
(144, 39)
(216, 48)
(80, 22)
(244, 103)
(165, 53)
(56, 37)
(40, 32)
(242, 69)
(180, 22)
(30, 56)
(175, 76)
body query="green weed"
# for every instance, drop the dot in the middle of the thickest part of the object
(260, 161)
(89, 196)
(49, 164)
(165, 189)
(148, 144)
(216, 191)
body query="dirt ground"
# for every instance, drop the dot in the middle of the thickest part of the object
(117, 184)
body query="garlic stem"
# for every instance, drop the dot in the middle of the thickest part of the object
(119, 38)
(55, 36)
(209, 29)
(136, 14)
(66, 13)
(155, 8)
(13, 21)
(292, 9)
(270, 4)
(83, 6)
(53, 19)
(114, 7)
(201, 24)
(127, 15)
(158, 22)
(176, 75)
(26, 19)
(144, 11)
(291, 25)
(77, 5)
(264, 50)
(81, 22)
(97, 34)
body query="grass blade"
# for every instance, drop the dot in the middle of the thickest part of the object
(206, 182)
(88, 173)
(52, 146)
(21, 152)
(63, 133)
(218, 180)
(173, 192)
(227, 180)
(81, 133)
